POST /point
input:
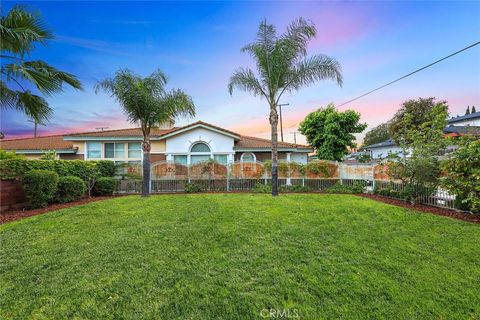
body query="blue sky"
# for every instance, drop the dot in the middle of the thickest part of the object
(198, 45)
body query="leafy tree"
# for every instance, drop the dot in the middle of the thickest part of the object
(21, 31)
(378, 134)
(330, 131)
(473, 109)
(49, 155)
(146, 101)
(467, 112)
(462, 173)
(282, 66)
(412, 115)
(418, 163)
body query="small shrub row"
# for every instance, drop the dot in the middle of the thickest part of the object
(16, 168)
(356, 187)
(43, 187)
(192, 188)
(267, 188)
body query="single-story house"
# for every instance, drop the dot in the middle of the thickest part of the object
(189, 144)
(457, 126)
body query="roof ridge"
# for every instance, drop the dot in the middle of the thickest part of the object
(115, 130)
(29, 138)
(268, 140)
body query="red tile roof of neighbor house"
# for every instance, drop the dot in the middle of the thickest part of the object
(39, 143)
(57, 142)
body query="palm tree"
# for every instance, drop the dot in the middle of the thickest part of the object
(20, 32)
(146, 102)
(282, 66)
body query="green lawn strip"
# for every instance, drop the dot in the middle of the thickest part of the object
(228, 256)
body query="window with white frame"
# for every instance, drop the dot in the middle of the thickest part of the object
(114, 151)
(94, 150)
(221, 158)
(134, 150)
(200, 152)
(180, 159)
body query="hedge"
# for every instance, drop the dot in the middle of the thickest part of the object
(104, 186)
(70, 188)
(40, 187)
(16, 168)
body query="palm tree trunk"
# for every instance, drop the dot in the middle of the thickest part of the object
(274, 126)
(146, 167)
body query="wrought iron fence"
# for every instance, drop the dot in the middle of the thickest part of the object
(212, 176)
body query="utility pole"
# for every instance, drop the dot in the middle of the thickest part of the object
(35, 126)
(281, 123)
(295, 137)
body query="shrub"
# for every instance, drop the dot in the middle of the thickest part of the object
(104, 186)
(356, 187)
(16, 168)
(192, 188)
(294, 188)
(106, 168)
(40, 187)
(262, 188)
(6, 155)
(70, 188)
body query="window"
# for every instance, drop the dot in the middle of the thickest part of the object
(135, 150)
(221, 158)
(199, 158)
(248, 157)
(114, 150)
(109, 151)
(180, 158)
(200, 147)
(94, 150)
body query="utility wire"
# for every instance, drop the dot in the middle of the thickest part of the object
(411, 73)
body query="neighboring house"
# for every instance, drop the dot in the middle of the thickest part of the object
(458, 126)
(189, 144)
(472, 119)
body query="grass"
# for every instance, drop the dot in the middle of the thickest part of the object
(230, 256)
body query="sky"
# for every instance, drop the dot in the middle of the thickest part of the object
(197, 44)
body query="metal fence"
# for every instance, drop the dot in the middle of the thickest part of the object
(168, 177)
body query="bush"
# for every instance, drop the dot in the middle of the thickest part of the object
(294, 188)
(262, 188)
(16, 168)
(356, 187)
(106, 168)
(70, 188)
(104, 186)
(192, 188)
(40, 187)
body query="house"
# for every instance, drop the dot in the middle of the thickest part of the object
(189, 144)
(457, 126)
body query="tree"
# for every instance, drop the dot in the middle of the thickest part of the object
(418, 164)
(145, 101)
(418, 112)
(462, 173)
(467, 112)
(473, 109)
(330, 131)
(282, 66)
(21, 31)
(378, 134)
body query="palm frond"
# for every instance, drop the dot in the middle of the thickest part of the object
(21, 29)
(244, 79)
(31, 105)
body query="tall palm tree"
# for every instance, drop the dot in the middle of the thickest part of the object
(146, 102)
(20, 32)
(282, 66)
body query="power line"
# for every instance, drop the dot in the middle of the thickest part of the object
(411, 73)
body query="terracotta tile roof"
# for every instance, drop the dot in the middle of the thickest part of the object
(205, 124)
(40, 143)
(247, 142)
(131, 132)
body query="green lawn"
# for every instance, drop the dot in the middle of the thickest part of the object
(230, 256)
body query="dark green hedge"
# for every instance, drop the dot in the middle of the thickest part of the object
(70, 188)
(16, 168)
(40, 187)
(104, 186)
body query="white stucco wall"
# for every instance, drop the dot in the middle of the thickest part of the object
(468, 122)
(181, 143)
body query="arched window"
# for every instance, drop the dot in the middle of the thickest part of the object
(248, 157)
(200, 147)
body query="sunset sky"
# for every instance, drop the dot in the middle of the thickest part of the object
(198, 45)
